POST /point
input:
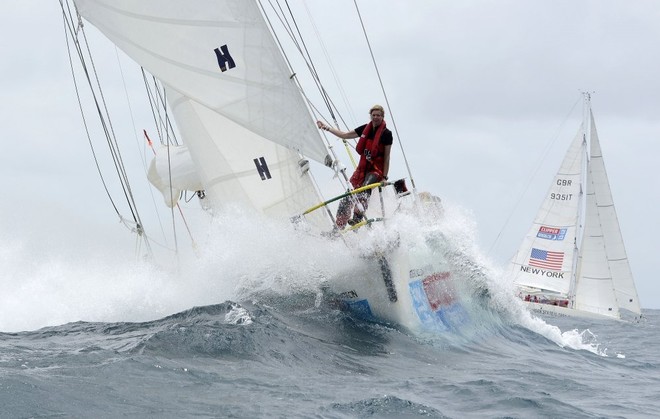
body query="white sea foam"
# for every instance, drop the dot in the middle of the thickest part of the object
(62, 278)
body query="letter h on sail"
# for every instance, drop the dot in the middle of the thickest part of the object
(262, 168)
(224, 58)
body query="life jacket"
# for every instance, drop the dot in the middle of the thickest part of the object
(376, 151)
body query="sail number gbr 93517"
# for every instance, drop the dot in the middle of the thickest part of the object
(561, 196)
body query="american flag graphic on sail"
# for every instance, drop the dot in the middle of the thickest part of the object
(546, 259)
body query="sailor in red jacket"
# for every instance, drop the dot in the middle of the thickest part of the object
(374, 148)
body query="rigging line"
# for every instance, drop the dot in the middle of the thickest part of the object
(82, 112)
(345, 142)
(307, 59)
(155, 105)
(70, 17)
(114, 147)
(342, 92)
(316, 111)
(141, 150)
(84, 67)
(287, 27)
(137, 247)
(380, 80)
(185, 222)
(320, 195)
(185, 196)
(537, 166)
(153, 198)
(153, 114)
(161, 245)
(315, 74)
(310, 68)
(162, 96)
(344, 182)
(169, 171)
(304, 52)
(112, 139)
(161, 123)
(143, 156)
(104, 125)
(152, 104)
(120, 170)
(169, 179)
(289, 30)
(151, 239)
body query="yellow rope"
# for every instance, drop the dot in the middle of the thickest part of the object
(350, 154)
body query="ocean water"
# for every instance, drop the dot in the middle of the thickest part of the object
(244, 360)
(83, 336)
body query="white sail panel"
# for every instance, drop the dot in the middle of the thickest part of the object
(185, 44)
(545, 259)
(238, 167)
(617, 260)
(594, 290)
(172, 171)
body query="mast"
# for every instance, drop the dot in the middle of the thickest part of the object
(584, 169)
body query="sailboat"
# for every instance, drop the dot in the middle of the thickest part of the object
(249, 141)
(573, 260)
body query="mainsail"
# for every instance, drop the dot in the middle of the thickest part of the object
(235, 103)
(574, 256)
(606, 275)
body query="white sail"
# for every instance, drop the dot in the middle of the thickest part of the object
(606, 282)
(240, 167)
(231, 94)
(594, 290)
(172, 171)
(545, 259)
(574, 256)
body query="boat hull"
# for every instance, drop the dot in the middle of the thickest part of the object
(403, 288)
(566, 311)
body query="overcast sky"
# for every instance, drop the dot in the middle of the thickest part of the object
(485, 96)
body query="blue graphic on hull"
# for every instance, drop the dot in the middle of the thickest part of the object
(444, 318)
(358, 308)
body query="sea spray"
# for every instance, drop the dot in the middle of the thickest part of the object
(241, 257)
(459, 228)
